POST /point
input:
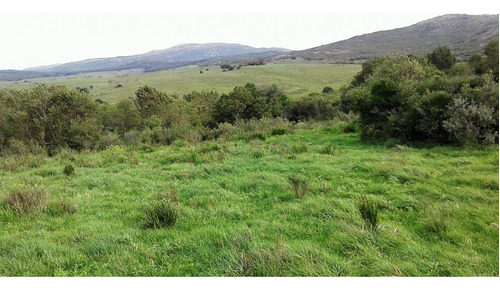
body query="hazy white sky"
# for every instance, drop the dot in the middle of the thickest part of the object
(46, 38)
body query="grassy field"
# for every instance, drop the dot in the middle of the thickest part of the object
(437, 210)
(296, 78)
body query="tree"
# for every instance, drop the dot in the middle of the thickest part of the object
(328, 90)
(121, 117)
(442, 58)
(150, 101)
(241, 103)
(367, 69)
(49, 117)
(476, 63)
(491, 61)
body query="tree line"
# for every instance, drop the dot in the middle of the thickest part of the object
(404, 97)
(54, 117)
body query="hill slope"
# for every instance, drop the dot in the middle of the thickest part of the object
(464, 34)
(177, 56)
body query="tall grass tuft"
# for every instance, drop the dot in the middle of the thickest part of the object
(26, 201)
(163, 210)
(69, 170)
(61, 207)
(329, 149)
(299, 185)
(368, 210)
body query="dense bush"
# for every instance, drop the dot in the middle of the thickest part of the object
(249, 102)
(150, 101)
(487, 63)
(312, 107)
(470, 123)
(49, 117)
(121, 118)
(407, 98)
(442, 58)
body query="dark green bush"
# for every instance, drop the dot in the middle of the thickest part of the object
(247, 136)
(248, 102)
(442, 57)
(406, 99)
(49, 117)
(313, 107)
(278, 131)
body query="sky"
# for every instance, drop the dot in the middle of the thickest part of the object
(36, 33)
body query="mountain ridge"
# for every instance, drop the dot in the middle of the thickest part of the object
(464, 34)
(187, 53)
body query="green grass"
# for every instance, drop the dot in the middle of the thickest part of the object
(296, 78)
(238, 215)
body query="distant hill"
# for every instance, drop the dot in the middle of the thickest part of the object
(177, 56)
(174, 57)
(15, 75)
(464, 34)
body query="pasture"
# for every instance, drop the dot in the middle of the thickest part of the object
(238, 213)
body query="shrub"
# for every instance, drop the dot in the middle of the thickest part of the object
(312, 107)
(11, 163)
(442, 58)
(247, 136)
(241, 103)
(368, 210)
(108, 140)
(328, 90)
(471, 123)
(17, 147)
(278, 131)
(256, 135)
(179, 143)
(299, 185)
(163, 210)
(132, 138)
(147, 148)
(26, 201)
(69, 170)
